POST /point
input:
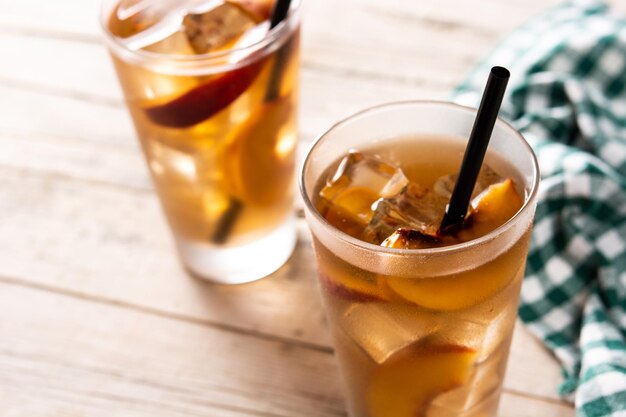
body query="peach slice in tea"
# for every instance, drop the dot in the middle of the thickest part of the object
(205, 100)
(460, 290)
(346, 281)
(353, 289)
(404, 385)
(260, 159)
(491, 209)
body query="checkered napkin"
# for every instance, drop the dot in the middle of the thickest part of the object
(567, 95)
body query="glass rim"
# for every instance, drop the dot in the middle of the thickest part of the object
(445, 250)
(276, 34)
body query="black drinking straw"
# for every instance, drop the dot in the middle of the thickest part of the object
(279, 13)
(281, 8)
(229, 218)
(227, 221)
(486, 117)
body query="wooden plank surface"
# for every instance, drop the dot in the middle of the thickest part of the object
(88, 330)
(71, 356)
(137, 364)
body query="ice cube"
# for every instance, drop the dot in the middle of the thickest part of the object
(415, 208)
(382, 329)
(166, 161)
(176, 43)
(498, 329)
(359, 170)
(216, 27)
(357, 183)
(486, 176)
(481, 330)
(478, 395)
(203, 24)
(497, 334)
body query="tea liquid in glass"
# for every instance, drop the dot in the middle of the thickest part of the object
(213, 96)
(429, 342)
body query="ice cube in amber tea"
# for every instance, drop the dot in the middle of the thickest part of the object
(383, 329)
(414, 208)
(478, 396)
(217, 27)
(359, 180)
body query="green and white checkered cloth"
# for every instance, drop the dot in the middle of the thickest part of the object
(567, 95)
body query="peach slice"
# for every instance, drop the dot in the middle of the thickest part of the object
(206, 99)
(461, 290)
(348, 282)
(491, 209)
(260, 158)
(345, 280)
(353, 289)
(404, 385)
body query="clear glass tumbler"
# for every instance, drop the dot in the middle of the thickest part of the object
(217, 128)
(421, 332)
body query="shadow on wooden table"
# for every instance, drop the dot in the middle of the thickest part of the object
(283, 311)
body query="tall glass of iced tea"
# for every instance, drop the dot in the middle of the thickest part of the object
(212, 91)
(422, 321)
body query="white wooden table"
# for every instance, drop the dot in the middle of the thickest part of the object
(97, 317)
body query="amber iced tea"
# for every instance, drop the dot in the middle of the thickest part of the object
(422, 322)
(213, 97)
(430, 335)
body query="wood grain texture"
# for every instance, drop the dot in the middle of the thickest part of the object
(73, 357)
(97, 317)
(91, 359)
(85, 75)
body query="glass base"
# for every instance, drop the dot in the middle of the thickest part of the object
(240, 264)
